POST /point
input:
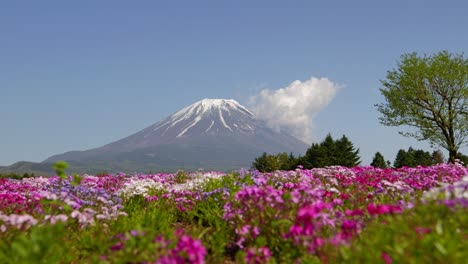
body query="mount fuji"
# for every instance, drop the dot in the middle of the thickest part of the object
(211, 134)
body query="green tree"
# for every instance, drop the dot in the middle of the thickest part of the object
(463, 158)
(346, 154)
(263, 163)
(378, 161)
(292, 163)
(281, 161)
(400, 159)
(320, 154)
(331, 152)
(421, 157)
(413, 158)
(429, 94)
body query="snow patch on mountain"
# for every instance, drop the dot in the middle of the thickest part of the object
(222, 120)
(194, 122)
(211, 125)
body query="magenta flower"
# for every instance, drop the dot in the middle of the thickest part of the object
(386, 258)
(191, 248)
(356, 212)
(378, 209)
(421, 231)
(349, 228)
(117, 246)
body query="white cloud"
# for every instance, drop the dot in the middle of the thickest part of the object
(293, 108)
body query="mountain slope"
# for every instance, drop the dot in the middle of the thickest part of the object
(211, 133)
(28, 167)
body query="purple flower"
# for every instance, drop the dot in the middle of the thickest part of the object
(117, 246)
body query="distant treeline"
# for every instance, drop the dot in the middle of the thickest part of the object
(342, 152)
(327, 153)
(16, 175)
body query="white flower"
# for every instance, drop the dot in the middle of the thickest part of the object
(456, 190)
(139, 187)
(197, 181)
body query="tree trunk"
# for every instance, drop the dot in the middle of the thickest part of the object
(452, 155)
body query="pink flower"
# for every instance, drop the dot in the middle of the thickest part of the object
(421, 231)
(309, 212)
(337, 201)
(349, 228)
(244, 230)
(383, 209)
(318, 242)
(75, 214)
(258, 255)
(386, 258)
(256, 231)
(355, 212)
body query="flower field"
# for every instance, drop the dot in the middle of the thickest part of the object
(327, 215)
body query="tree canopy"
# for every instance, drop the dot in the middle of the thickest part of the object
(429, 94)
(379, 161)
(327, 153)
(331, 152)
(281, 161)
(413, 158)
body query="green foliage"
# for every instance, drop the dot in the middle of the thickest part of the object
(280, 161)
(429, 94)
(181, 176)
(332, 152)
(60, 167)
(400, 159)
(463, 158)
(156, 216)
(265, 163)
(41, 245)
(216, 234)
(413, 158)
(430, 233)
(378, 161)
(321, 155)
(76, 180)
(327, 153)
(16, 175)
(347, 155)
(421, 157)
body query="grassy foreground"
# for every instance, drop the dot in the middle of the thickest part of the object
(328, 215)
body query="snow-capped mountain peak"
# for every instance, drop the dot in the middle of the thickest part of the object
(207, 116)
(206, 106)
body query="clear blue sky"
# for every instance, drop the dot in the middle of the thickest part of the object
(79, 74)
